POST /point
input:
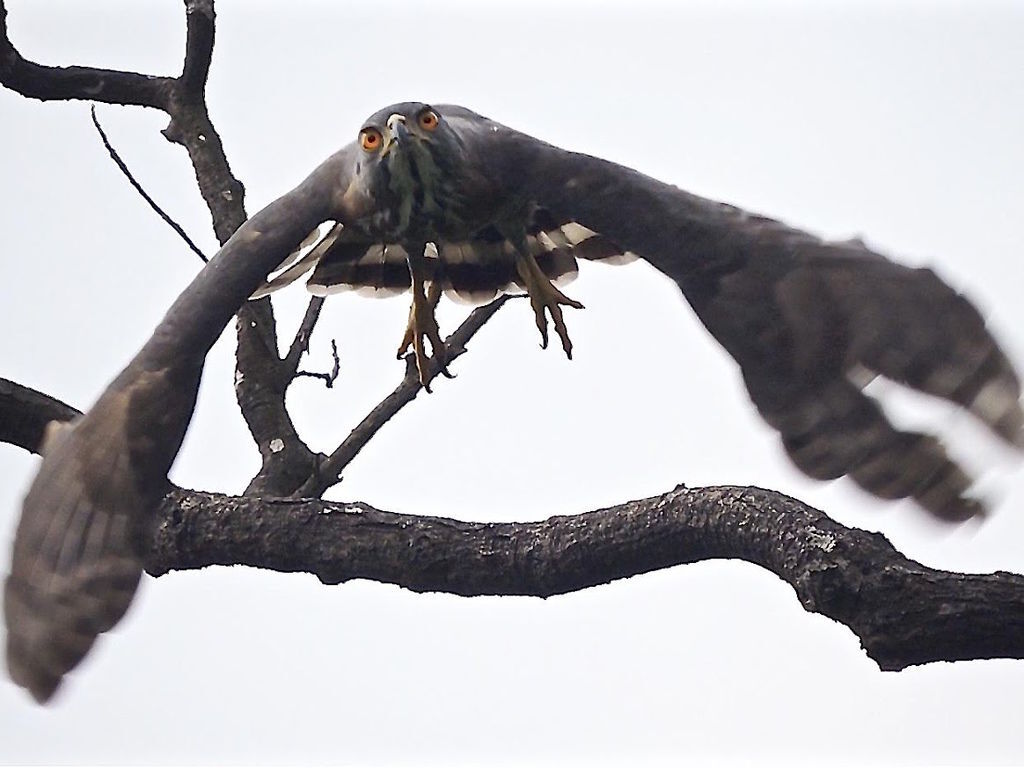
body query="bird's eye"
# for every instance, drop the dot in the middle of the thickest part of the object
(428, 120)
(370, 139)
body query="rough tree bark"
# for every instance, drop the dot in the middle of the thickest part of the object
(903, 612)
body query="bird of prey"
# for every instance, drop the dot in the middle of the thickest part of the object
(437, 198)
(471, 207)
(439, 220)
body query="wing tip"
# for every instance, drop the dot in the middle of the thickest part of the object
(50, 630)
(998, 405)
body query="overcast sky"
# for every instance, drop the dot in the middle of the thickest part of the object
(898, 122)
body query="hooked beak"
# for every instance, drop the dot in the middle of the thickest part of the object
(396, 132)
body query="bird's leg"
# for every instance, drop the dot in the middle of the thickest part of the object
(544, 295)
(422, 325)
(433, 292)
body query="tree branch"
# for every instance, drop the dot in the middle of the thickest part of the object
(123, 167)
(24, 414)
(200, 28)
(36, 81)
(903, 612)
(327, 377)
(329, 472)
(300, 344)
(262, 379)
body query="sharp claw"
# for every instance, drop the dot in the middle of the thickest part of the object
(441, 356)
(562, 331)
(540, 320)
(544, 296)
(423, 369)
(403, 347)
(407, 337)
(559, 298)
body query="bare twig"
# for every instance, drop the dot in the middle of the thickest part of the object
(300, 344)
(327, 378)
(138, 188)
(329, 472)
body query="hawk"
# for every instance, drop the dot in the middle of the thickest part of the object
(464, 205)
(438, 198)
(440, 220)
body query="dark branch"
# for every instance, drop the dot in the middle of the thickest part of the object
(329, 377)
(300, 344)
(90, 83)
(903, 612)
(330, 470)
(138, 188)
(199, 39)
(24, 414)
(261, 380)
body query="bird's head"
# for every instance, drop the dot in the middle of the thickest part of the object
(408, 160)
(411, 132)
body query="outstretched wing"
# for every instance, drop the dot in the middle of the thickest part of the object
(79, 547)
(80, 541)
(808, 321)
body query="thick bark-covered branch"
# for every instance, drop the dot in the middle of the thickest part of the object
(903, 612)
(110, 471)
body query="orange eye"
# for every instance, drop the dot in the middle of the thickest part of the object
(428, 120)
(370, 139)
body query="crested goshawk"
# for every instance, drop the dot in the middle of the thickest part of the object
(458, 203)
(440, 198)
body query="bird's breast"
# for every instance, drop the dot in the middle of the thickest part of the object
(417, 200)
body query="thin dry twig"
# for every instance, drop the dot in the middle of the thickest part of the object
(300, 344)
(327, 378)
(138, 188)
(329, 471)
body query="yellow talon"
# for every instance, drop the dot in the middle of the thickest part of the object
(423, 325)
(545, 296)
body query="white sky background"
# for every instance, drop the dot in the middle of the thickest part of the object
(900, 122)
